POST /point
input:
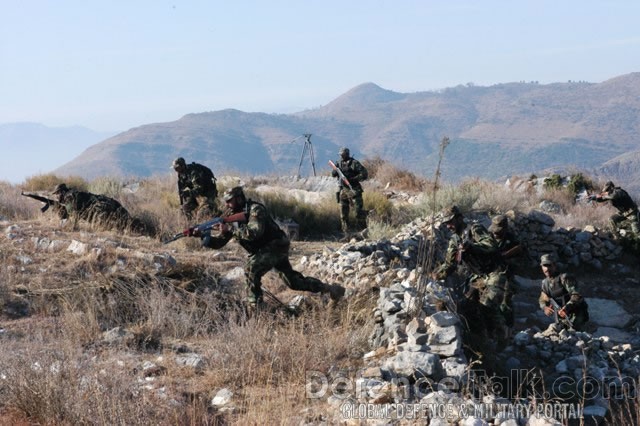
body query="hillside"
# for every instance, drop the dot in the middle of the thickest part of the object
(496, 131)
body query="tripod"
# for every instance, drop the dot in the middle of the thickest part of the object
(307, 149)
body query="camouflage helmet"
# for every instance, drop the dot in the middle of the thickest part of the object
(450, 214)
(609, 186)
(498, 223)
(178, 163)
(344, 151)
(60, 188)
(236, 191)
(546, 260)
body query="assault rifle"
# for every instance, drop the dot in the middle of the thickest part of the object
(198, 230)
(556, 313)
(48, 202)
(343, 178)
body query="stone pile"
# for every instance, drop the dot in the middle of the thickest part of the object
(417, 349)
(575, 247)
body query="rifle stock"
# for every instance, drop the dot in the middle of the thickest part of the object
(201, 228)
(48, 201)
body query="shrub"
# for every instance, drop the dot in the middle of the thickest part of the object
(387, 173)
(553, 182)
(49, 181)
(579, 183)
(106, 186)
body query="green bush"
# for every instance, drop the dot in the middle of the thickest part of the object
(553, 182)
(579, 183)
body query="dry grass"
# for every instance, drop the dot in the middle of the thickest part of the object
(388, 174)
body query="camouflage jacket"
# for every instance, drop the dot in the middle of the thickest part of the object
(353, 170)
(259, 232)
(197, 180)
(562, 288)
(80, 202)
(621, 200)
(476, 249)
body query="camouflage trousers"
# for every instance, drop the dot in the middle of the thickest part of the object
(628, 221)
(276, 257)
(348, 197)
(200, 208)
(489, 305)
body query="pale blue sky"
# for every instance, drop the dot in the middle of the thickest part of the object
(113, 65)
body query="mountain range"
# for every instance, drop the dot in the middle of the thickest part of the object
(32, 148)
(495, 131)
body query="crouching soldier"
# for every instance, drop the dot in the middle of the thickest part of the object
(268, 248)
(487, 294)
(560, 297)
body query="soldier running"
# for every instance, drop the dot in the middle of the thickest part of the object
(268, 248)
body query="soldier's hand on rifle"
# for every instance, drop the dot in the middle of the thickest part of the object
(222, 228)
(548, 310)
(562, 313)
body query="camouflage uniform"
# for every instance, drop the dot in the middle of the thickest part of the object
(563, 289)
(509, 249)
(488, 292)
(627, 216)
(94, 208)
(196, 188)
(355, 173)
(268, 248)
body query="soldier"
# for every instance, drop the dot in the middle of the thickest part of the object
(627, 215)
(268, 248)
(355, 173)
(509, 246)
(196, 188)
(509, 249)
(561, 290)
(94, 208)
(488, 296)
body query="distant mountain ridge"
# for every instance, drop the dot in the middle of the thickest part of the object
(32, 148)
(495, 131)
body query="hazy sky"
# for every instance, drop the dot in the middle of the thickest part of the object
(111, 65)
